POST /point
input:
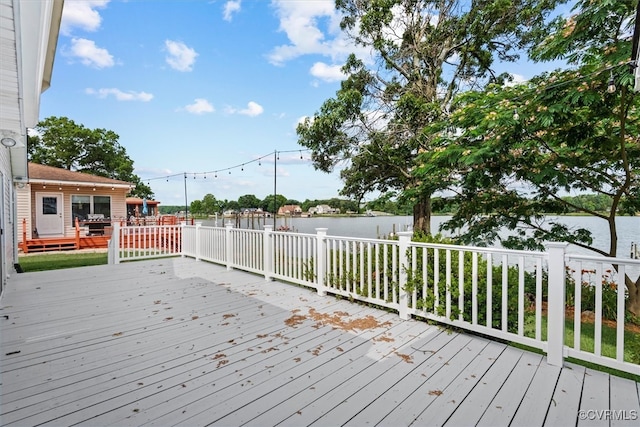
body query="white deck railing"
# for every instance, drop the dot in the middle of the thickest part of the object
(519, 296)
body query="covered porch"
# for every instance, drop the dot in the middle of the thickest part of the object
(176, 341)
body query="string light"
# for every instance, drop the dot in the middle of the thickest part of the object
(516, 116)
(229, 169)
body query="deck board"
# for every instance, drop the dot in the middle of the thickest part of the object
(184, 342)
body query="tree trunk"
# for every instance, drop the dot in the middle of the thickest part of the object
(422, 215)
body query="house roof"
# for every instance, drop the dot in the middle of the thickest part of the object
(49, 174)
(138, 201)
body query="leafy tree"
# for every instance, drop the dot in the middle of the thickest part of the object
(511, 152)
(248, 201)
(231, 205)
(267, 204)
(196, 207)
(64, 144)
(424, 52)
(210, 205)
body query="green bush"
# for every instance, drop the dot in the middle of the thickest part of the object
(426, 301)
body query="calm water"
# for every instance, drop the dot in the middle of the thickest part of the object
(373, 227)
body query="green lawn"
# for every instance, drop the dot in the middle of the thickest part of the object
(587, 342)
(58, 260)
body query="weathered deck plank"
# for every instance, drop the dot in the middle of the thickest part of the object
(181, 342)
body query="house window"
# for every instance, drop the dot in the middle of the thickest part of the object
(49, 206)
(102, 205)
(84, 206)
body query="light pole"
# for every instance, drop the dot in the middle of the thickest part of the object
(186, 210)
(275, 187)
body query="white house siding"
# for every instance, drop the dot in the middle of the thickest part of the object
(23, 205)
(6, 239)
(28, 39)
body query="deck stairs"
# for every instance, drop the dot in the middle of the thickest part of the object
(46, 245)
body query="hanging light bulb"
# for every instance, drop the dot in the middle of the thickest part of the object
(612, 85)
(516, 116)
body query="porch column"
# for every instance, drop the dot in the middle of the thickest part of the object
(321, 264)
(556, 303)
(113, 252)
(198, 231)
(267, 254)
(404, 237)
(228, 245)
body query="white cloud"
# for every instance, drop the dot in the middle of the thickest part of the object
(328, 73)
(200, 106)
(120, 95)
(180, 57)
(312, 27)
(90, 54)
(253, 109)
(81, 14)
(517, 79)
(231, 7)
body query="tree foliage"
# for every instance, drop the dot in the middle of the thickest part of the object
(423, 53)
(62, 143)
(511, 153)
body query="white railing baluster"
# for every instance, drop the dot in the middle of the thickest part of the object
(620, 314)
(598, 322)
(460, 285)
(577, 307)
(489, 291)
(448, 284)
(505, 295)
(538, 334)
(474, 288)
(521, 296)
(436, 280)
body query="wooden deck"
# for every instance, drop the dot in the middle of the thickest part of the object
(181, 342)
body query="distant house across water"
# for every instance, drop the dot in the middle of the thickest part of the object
(324, 210)
(293, 210)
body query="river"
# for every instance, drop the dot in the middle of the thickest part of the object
(379, 226)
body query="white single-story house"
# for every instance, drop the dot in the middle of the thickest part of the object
(323, 210)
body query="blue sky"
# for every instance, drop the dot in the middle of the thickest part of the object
(202, 86)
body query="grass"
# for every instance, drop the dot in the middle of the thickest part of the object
(587, 343)
(59, 260)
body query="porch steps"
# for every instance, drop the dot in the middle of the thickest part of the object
(45, 245)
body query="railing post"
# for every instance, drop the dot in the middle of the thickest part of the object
(228, 245)
(114, 245)
(321, 264)
(183, 225)
(267, 254)
(404, 237)
(556, 303)
(198, 230)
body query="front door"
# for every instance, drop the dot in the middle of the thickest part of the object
(49, 220)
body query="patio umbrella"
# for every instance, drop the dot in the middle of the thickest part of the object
(144, 206)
